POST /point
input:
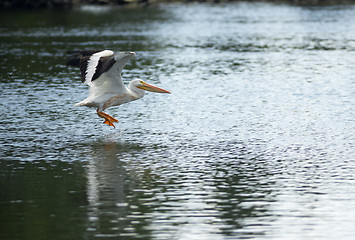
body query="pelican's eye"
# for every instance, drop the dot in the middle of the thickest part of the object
(141, 82)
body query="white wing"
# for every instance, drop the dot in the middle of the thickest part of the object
(92, 64)
(102, 72)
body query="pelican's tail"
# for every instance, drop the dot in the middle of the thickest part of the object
(85, 102)
(79, 104)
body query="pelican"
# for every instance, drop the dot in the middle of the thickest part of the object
(101, 70)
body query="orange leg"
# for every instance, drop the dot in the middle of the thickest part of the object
(108, 119)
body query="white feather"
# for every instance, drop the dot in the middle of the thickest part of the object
(93, 62)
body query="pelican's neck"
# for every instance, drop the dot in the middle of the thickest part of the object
(137, 93)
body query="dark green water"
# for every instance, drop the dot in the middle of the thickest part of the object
(256, 140)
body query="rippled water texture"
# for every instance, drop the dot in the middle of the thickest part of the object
(255, 141)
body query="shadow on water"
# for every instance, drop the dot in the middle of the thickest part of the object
(106, 182)
(114, 210)
(134, 190)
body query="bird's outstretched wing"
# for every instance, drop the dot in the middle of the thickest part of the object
(102, 71)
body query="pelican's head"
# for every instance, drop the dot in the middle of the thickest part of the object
(138, 83)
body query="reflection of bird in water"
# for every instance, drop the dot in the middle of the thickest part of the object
(101, 70)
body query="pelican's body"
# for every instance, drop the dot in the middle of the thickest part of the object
(101, 70)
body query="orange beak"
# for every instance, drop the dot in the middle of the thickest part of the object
(152, 88)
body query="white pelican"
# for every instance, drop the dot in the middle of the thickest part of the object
(101, 70)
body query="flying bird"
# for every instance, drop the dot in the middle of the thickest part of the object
(101, 70)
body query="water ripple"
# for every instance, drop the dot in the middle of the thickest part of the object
(258, 132)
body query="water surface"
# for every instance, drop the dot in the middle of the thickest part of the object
(256, 140)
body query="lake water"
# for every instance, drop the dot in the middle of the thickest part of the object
(256, 140)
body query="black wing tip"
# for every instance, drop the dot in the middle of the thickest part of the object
(83, 62)
(75, 56)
